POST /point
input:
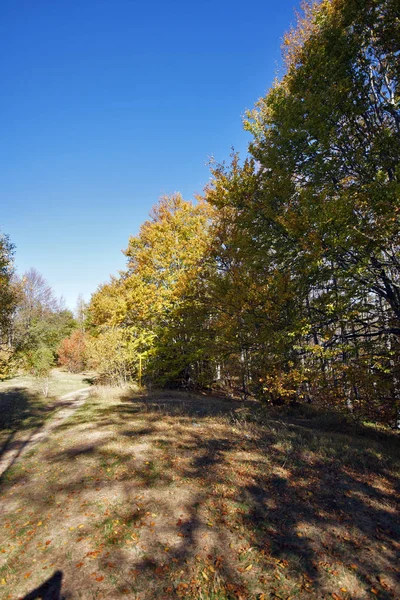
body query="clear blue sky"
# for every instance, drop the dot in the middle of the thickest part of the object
(106, 105)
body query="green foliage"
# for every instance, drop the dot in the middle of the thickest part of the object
(7, 290)
(40, 320)
(110, 353)
(148, 301)
(39, 363)
(307, 245)
(284, 281)
(7, 364)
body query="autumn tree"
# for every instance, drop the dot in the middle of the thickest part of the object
(7, 294)
(327, 139)
(7, 303)
(284, 281)
(72, 352)
(322, 218)
(147, 301)
(40, 321)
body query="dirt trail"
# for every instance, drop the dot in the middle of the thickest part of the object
(170, 495)
(20, 444)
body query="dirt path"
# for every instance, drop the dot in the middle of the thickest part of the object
(21, 443)
(171, 495)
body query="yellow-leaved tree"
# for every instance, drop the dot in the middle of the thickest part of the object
(150, 304)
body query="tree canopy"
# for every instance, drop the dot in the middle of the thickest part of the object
(284, 280)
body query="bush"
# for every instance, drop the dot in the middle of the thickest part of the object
(7, 364)
(72, 352)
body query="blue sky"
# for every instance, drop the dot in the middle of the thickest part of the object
(107, 105)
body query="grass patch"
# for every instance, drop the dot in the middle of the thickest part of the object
(183, 496)
(24, 409)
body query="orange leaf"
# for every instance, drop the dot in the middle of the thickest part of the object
(28, 574)
(79, 565)
(100, 578)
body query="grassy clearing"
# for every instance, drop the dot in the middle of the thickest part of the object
(23, 407)
(177, 496)
(61, 382)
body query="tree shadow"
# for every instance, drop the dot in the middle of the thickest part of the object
(21, 411)
(23, 415)
(20, 408)
(224, 502)
(298, 512)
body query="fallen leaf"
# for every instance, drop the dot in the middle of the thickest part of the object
(249, 568)
(79, 565)
(100, 578)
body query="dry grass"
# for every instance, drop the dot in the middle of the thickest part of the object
(61, 382)
(171, 496)
(24, 409)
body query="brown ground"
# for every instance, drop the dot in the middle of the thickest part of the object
(177, 496)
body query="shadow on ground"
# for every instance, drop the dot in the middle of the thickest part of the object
(49, 590)
(23, 415)
(20, 410)
(211, 498)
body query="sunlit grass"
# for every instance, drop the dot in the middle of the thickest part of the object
(172, 496)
